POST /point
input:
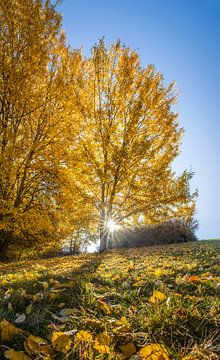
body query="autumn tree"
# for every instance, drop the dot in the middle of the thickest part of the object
(127, 140)
(34, 80)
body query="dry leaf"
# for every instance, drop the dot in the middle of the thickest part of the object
(157, 297)
(37, 345)
(28, 309)
(61, 305)
(62, 319)
(128, 349)
(11, 354)
(8, 330)
(83, 337)
(61, 341)
(154, 352)
(67, 312)
(20, 318)
(106, 308)
(102, 349)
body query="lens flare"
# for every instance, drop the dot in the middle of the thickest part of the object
(112, 226)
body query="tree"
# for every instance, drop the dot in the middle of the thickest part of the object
(34, 80)
(127, 139)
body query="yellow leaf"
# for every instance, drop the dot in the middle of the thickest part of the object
(102, 349)
(8, 330)
(139, 283)
(61, 305)
(35, 298)
(52, 296)
(105, 307)
(37, 345)
(28, 309)
(11, 354)
(45, 285)
(154, 352)
(56, 327)
(83, 336)
(103, 338)
(72, 283)
(61, 342)
(157, 297)
(158, 272)
(56, 284)
(128, 349)
(122, 326)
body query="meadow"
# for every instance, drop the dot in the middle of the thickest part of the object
(154, 303)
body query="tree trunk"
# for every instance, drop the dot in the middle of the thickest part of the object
(103, 233)
(103, 239)
(4, 244)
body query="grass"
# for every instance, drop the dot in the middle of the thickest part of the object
(124, 301)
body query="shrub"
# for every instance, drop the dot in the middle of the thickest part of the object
(169, 232)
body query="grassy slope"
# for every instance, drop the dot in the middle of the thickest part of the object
(112, 293)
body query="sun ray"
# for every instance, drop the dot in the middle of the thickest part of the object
(112, 225)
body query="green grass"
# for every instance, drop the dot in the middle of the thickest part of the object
(112, 294)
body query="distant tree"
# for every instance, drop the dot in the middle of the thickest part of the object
(34, 80)
(128, 137)
(78, 241)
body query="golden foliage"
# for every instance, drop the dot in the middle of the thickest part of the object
(127, 138)
(33, 120)
(82, 140)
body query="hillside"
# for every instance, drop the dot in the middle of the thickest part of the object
(149, 303)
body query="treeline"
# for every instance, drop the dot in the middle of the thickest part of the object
(82, 140)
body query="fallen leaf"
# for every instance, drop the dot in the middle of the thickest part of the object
(106, 308)
(154, 352)
(37, 345)
(11, 354)
(128, 349)
(61, 341)
(83, 337)
(20, 318)
(62, 319)
(28, 309)
(8, 330)
(157, 297)
(102, 349)
(67, 312)
(61, 305)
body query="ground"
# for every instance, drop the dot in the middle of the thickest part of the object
(150, 303)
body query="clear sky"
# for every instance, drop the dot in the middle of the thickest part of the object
(182, 39)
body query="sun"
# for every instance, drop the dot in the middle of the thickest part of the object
(112, 225)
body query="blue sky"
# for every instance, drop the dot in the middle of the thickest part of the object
(182, 39)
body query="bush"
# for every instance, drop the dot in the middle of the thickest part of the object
(169, 232)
